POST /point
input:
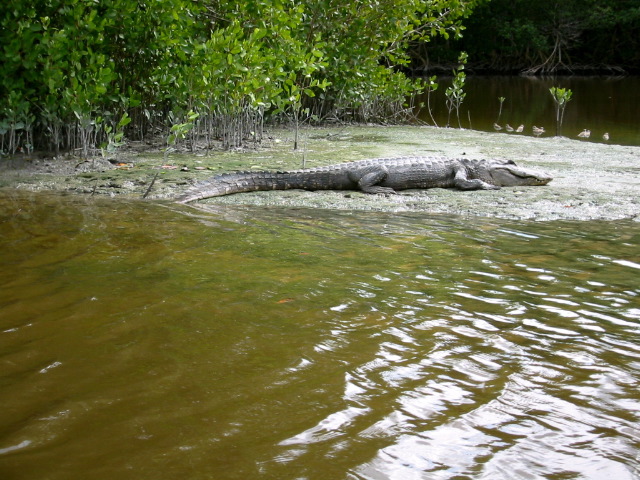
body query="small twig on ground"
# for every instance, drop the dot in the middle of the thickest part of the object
(150, 185)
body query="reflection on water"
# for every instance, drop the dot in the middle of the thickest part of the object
(599, 104)
(148, 341)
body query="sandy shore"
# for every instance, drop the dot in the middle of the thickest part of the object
(592, 180)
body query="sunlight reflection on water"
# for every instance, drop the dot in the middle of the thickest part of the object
(140, 342)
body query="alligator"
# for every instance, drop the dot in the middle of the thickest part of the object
(378, 176)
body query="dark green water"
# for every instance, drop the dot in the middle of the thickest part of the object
(599, 104)
(142, 341)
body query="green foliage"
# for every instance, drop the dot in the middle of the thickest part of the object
(179, 131)
(455, 93)
(561, 97)
(550, 36)
(70, 68)
(115, 135)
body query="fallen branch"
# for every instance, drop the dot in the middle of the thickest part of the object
(150, 185)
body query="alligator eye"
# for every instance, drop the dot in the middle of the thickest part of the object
(510, 162)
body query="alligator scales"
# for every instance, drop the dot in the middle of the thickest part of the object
(379, 176)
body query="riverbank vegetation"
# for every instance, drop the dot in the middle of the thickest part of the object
(545, 37)
(82, 76)
(78, 75)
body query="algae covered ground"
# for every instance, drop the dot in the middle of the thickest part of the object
(592, 180)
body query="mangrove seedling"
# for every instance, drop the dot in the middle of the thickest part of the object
(561, 97)
(501, 100)
(455, 93)
(179, 132)
(115, 136)
(431, 86)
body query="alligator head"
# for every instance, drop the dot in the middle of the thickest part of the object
(509, 174)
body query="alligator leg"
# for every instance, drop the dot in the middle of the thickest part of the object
(463, 183)
(368, 183)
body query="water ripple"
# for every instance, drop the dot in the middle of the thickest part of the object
(317, 345)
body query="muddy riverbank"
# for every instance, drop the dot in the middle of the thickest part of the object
(592, 181)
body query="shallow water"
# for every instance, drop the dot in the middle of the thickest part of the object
(140, 340)
(598, 104)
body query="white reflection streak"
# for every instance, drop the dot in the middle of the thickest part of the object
(608, 318)
(13, 448)
(356, 386)
(495, 301)
(49, 367)
(532, 322)
(330, 427)
(627, 263)
(539, 433)
(456, 445)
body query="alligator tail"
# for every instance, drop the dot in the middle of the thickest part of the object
(229, 183)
